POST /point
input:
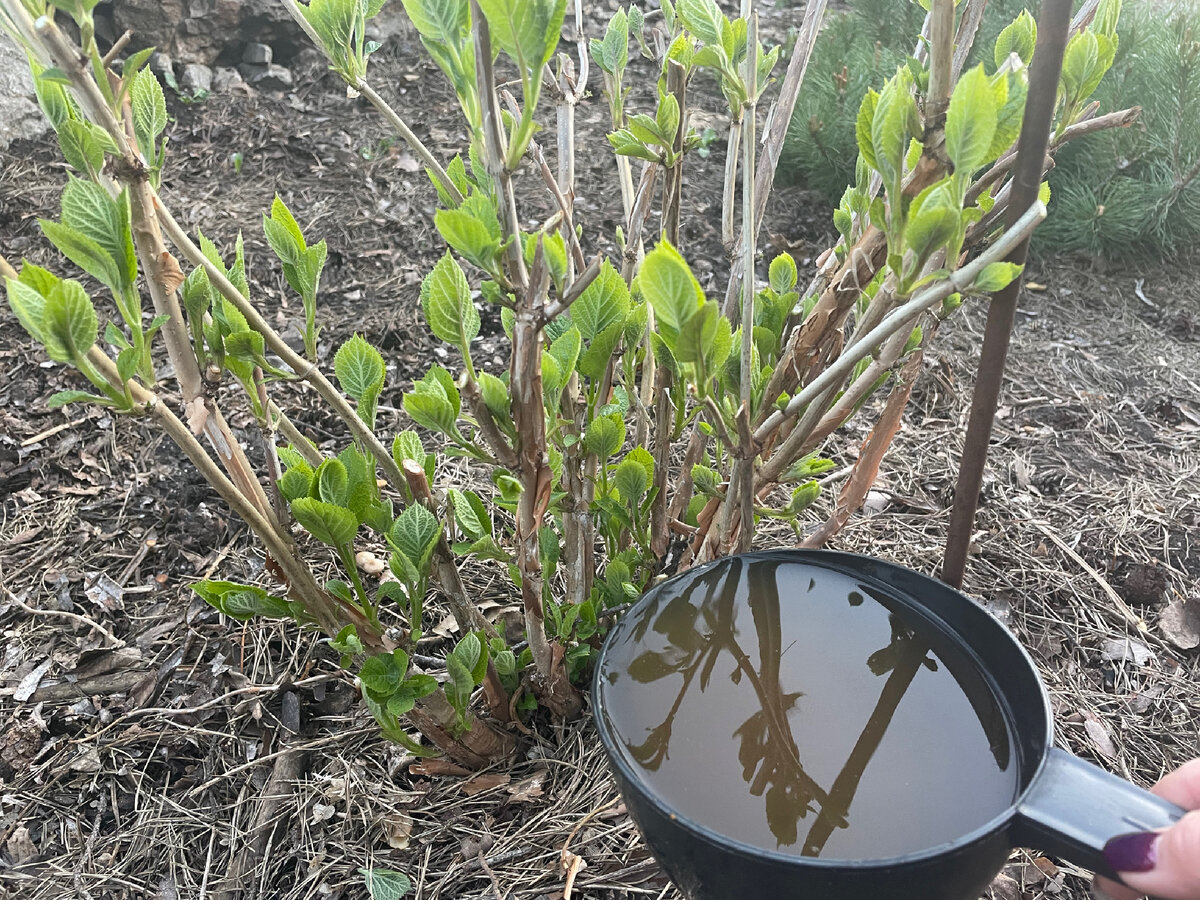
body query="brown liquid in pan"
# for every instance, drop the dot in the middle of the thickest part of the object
(795, 709)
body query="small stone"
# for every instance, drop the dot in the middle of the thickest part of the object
(267, 78)
(257, 54)
(196, 78)
(161, 65)
(226, 79)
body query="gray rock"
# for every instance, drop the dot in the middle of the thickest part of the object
(226, 79)
(257, 54)
(200, 31)
(196, 78)
(267, 78)
(20, 116)
(161, 64)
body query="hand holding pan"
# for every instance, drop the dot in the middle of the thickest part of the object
(1060, 804)
(1165, 864)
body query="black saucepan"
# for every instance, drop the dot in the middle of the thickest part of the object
(1062, 805)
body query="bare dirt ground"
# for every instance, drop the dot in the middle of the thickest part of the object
(171, 755)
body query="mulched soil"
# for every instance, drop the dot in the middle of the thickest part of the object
(171, 755)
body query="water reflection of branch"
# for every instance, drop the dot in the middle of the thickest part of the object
(653, 751)
(909, 655)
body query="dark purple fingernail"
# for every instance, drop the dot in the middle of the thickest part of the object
(1135, 852)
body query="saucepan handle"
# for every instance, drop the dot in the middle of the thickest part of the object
(1073, 808)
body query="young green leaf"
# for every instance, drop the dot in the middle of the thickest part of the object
(333, 482)
(27, 305)
(446, 302)
(69, 322)
(415, 533)
(971, 121)
(149, 111)
(471, 653)
(359, 368)
(470, 514)
(630, 480)
(329, 524)
(603, 303)
(84, 252)
(1019, 37)
(996, 276)
(893, 122)
(527, 30)
(434, 401)
(88, 208)
(782, 274)
(703, 18)
(605, 435)
(241, 601)
(669, 286)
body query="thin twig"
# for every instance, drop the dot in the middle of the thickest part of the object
(63, 614)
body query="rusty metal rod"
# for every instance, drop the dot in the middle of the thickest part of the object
(1046, 67)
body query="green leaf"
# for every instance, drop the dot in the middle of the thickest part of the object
(605, 435)
(703, 18)
(442, 21)
(27, 304)
(527, 30)
(149, 111)
(383, 673)
(495, 396)
(594, 361)
(84, 252)
(460, 685)
(241, 601)
(469, 236)
(612, 53)
(446, 302)
(333, 482)
(893, 122)
(69, 322)
(602, 304)
(295, 482)
(565, 351)
(971, 121)
(1019, 37)
(933, 219)
(386, 884)
(631, 480)
(432, 404)
(407, 445)
(470, 514)
(415, 533)
(329, 524)
(62, 398)
(782, 274)
(669, 286)
(359, 368)
(89, 209)
(996, 276)
(471, 653)
(697, 335)
(78, 143)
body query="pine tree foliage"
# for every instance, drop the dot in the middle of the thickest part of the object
(1119, 192)
(1137, 189)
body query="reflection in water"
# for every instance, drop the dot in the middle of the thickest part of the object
(760, 696)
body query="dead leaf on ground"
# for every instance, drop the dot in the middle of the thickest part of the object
(481, 783)
(1126, 648)
(1180, 623)
(30, 682)
(1098, 733)
(87, 761)
(104, 592)
(398, 830)
(20, 845)
(323, 812)
(528, 789)
(1004, 888)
